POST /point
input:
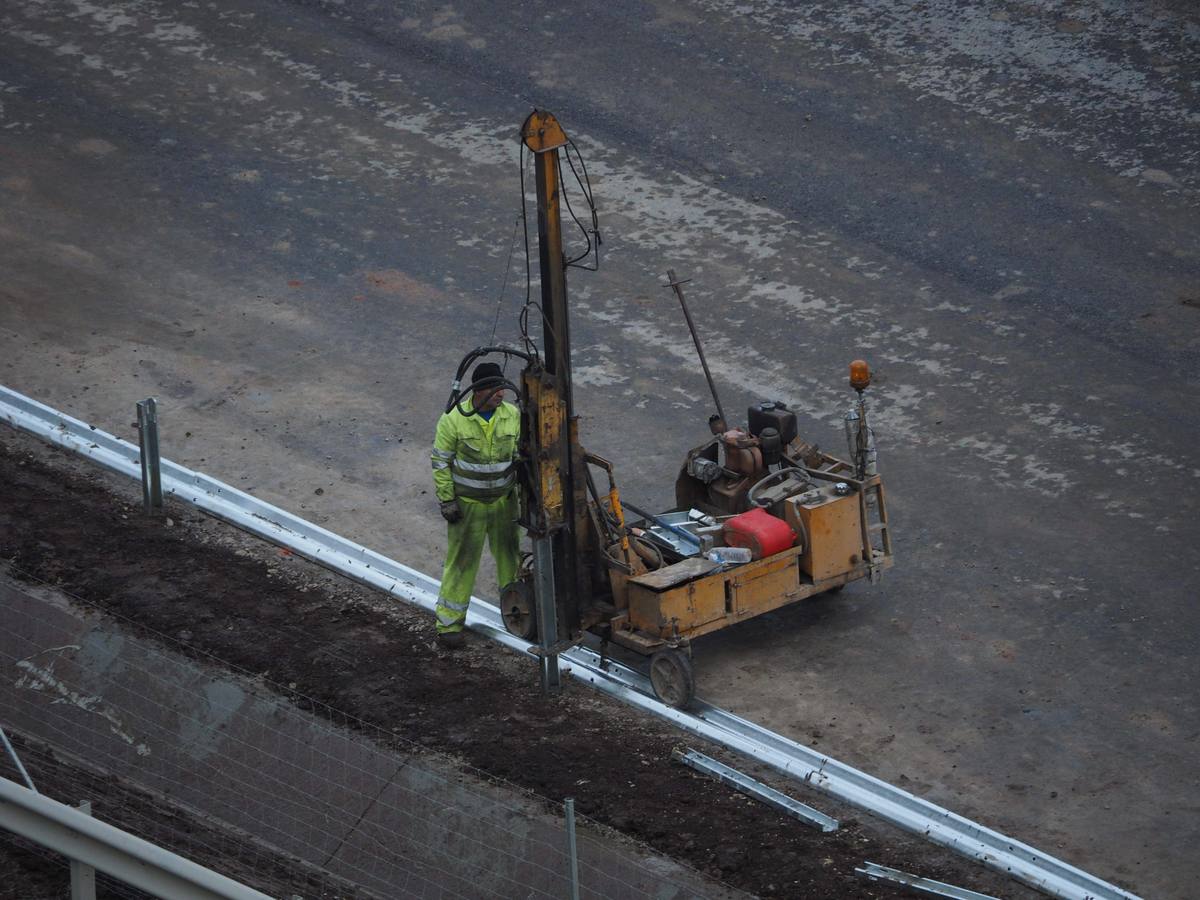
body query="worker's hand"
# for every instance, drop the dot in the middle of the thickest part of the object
(451, 511)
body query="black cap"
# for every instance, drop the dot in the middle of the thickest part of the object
(489, 373)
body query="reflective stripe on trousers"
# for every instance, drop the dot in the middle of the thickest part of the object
(497, 523)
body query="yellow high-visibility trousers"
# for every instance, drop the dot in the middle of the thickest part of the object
(497, 522)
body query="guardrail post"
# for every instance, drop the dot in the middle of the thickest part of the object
(547, 612)
(572, 855)
(83, 876)
(147, 425)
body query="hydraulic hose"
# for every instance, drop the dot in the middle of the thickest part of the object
(775, 476)
(456, 397)
(753, 500)
(456, 394)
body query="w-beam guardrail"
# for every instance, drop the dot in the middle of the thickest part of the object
(807, 766)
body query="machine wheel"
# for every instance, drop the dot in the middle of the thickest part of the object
(671, 677)
(517, 610)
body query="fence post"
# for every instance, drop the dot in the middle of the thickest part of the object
(83, 876)
(572, 855)
(147, 418)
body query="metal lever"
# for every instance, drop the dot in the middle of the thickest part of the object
(678, 287)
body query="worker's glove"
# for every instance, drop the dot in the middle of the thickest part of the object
(451, 511)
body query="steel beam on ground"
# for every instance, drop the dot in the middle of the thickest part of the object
(876, 872)
(742, 782)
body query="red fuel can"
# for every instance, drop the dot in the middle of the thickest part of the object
(763, 533)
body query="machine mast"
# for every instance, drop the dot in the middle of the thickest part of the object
(561, 507)
(762, 518)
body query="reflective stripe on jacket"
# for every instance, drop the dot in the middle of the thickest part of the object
(472, 458)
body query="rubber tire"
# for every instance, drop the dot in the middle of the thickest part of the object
(518, 612)
(672, 678)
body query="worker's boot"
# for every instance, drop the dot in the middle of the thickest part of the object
(451, 640)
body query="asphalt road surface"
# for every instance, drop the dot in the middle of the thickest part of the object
(288, 221)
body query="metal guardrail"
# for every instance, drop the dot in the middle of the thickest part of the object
(130, 859)
(941, 826)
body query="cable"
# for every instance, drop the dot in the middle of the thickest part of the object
(456, 394)
(523, 318)
(567, 199)
(585, 185)
(480, 385)
(504, 284)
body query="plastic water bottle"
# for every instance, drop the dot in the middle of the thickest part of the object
(730, 555)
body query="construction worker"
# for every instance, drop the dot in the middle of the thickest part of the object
(475, 478)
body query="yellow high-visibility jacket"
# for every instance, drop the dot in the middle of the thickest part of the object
(473, 459)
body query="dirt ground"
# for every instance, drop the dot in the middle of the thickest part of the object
(331, 642)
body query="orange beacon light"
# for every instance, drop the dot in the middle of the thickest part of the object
(860, 375)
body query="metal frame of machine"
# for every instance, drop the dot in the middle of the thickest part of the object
(592, 571)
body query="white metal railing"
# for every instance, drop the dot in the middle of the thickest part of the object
(138, 863)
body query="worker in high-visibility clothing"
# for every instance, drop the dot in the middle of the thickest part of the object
(475, 477)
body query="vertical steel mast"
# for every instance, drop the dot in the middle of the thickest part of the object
(555, 563)
(543, 136)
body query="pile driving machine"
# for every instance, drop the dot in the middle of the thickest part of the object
(762, 518)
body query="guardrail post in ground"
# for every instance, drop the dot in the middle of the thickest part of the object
(83, 876)
(147, 425)
(547, 612)
(572, 855)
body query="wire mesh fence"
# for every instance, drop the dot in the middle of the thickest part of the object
(295, 803)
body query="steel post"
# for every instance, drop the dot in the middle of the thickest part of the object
(83, 876)
(547, 613)
(147, 425)
(572, 851)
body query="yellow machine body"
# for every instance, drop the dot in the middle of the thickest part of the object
(591, 571)
(833, 526)
(839, 543)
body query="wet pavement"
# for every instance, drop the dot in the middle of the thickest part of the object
(289, 221)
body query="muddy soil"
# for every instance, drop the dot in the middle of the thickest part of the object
(326, 641)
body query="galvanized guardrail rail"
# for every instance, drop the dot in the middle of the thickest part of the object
(941, 826)
(130, 859)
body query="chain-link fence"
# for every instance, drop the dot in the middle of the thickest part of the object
(221, 769)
